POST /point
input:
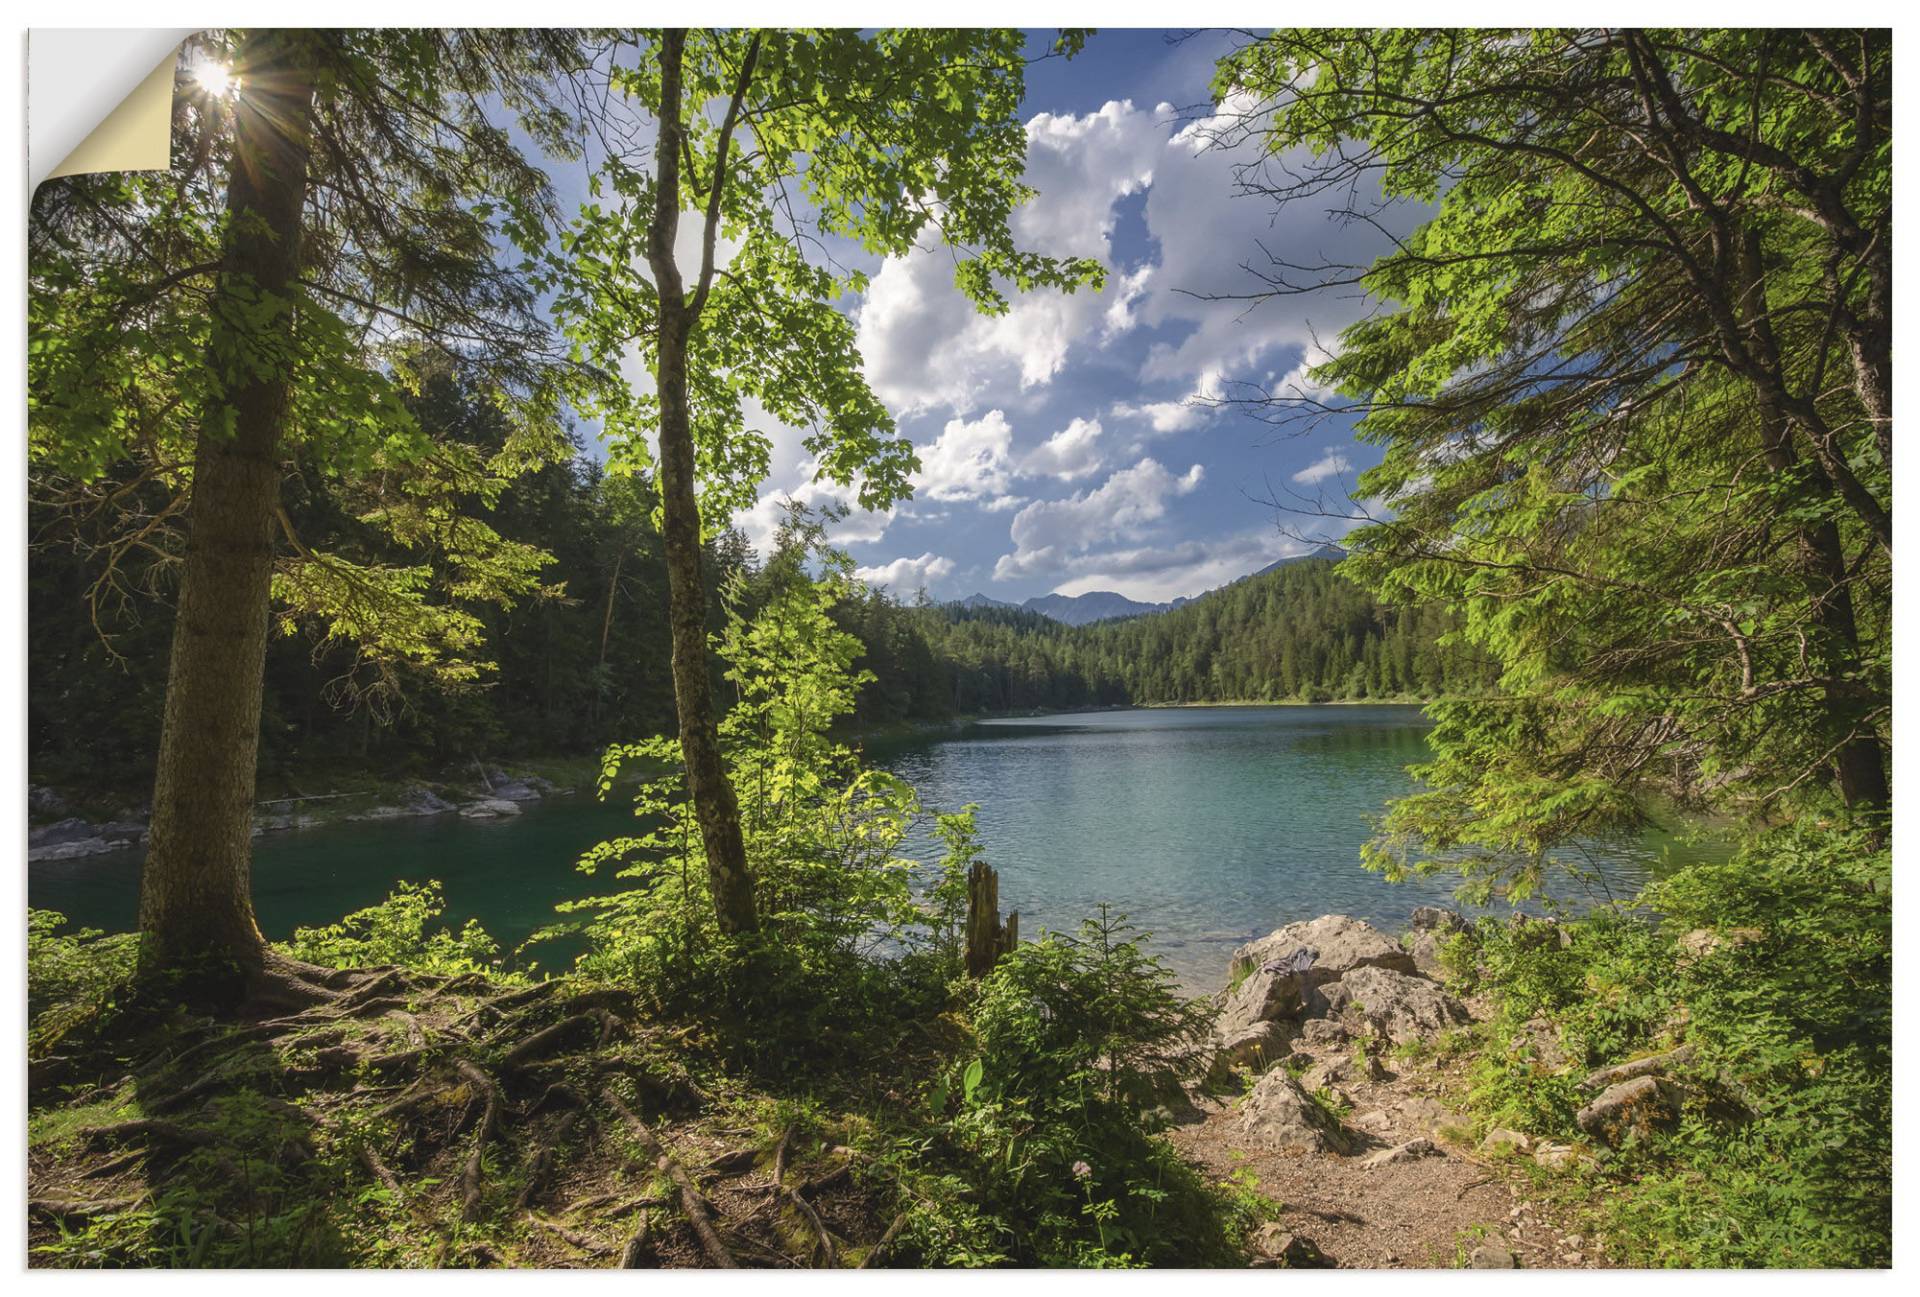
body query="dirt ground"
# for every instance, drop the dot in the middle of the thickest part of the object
(1428, 1212)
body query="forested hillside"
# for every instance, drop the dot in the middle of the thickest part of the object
(1299, 632)
(585, 663)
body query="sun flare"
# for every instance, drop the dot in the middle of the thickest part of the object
(215, 78)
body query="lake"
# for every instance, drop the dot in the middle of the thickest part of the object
(1206, 825)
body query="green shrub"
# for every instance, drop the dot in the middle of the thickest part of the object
(1082, 1046)
(1783, 987)
(71, 976)
(397, 931)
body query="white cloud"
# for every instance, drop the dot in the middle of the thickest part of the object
(968, 460)
(1331, 464)
(858, 526)
(1049, 532)
(1185, 414)
(924, 345)
(1070, 454)
(906, 575)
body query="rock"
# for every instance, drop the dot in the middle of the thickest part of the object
(1259, 1046)
(1530, 933)
(489, 808)
(1279, 1115)
(44, 801)
(1432, 918)
(515, 790)
(1292, 1251)
(1425, 949)
(123, 830)
(1343, 1070)
(1324, 1033)
(1538, 1040)
(1492, 1256)
(1632, 1110)
(1702, 942)
(1501, 1142)
(74, 849)
(67, 830)
(1411, 1151)
(1651, 1065)
(1341, 944)
(1395, 1005)
(1260, 997)
(424, 801)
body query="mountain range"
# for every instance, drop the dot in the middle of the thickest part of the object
(1106, 605)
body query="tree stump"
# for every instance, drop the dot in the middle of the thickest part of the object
(987, 937)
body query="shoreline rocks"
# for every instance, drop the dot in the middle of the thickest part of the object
(74, 838)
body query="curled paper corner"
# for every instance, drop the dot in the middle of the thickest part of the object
(100, 99)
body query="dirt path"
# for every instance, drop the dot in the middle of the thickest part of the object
(1448, 1209)
(1402, 1179)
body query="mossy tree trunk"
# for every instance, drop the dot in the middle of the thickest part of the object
(716, 808)
(196, 906)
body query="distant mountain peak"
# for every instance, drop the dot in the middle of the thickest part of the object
(1110, 605)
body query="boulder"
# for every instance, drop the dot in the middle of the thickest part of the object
(1395, 1005)
(1425, 949)
(1343, 1069)
(1259, 1046)
(1501, 1142)
(490, 808)
(1324, 1033)
(1261, 997)
(1559, 1157)
(44, 801)
(1410, 1151)
(1632, 1110)
(1432, 918)
(516, 790)
(1280, 1116)
(1291, 1251)
(1492, 1256)
(1340, 942)
(1651, 1065)
(424, 801)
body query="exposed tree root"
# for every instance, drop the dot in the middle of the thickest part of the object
(691, 1203)
(412, 1086)
(489, 1122)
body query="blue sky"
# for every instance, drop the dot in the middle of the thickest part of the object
(1061, 445)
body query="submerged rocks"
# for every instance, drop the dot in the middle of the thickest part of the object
(1395, 1005)
(489, 808)
(1282, 1117)
(73, 839)
(1632, 1110)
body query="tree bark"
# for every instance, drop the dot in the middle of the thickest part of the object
(196, 906)
(716, 808)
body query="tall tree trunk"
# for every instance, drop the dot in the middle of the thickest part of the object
(715, 807)
(1859, 765)
(196, 906)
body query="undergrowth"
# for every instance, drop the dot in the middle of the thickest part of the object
(1775, 967)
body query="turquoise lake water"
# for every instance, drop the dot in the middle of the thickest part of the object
(1206, 825)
